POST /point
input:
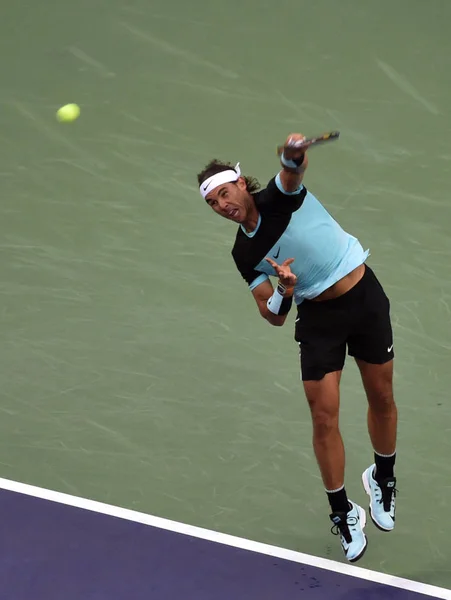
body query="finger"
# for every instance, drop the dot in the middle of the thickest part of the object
(299, 142)
(273, 264)
(295, 139)
(287, 262)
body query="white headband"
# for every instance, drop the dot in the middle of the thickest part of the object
(223, 177)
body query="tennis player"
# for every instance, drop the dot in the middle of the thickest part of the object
(285, 232)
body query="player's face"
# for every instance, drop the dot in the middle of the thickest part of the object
(230, 200)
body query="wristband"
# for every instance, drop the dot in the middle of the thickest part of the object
(277, 303)
(292, 163)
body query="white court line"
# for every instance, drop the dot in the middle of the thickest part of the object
(228, 540)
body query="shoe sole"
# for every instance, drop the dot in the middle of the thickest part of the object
(368, 491)
(362, 517)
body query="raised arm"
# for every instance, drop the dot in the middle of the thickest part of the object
(294, 163)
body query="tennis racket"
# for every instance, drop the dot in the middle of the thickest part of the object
(309, 142)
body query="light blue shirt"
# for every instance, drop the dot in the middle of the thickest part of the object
(323, 252)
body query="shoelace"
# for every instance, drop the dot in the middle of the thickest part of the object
(343, 527)
(387, 497)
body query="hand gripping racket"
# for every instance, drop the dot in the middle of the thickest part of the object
(309, 142)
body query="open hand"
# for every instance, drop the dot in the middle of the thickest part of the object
(283, 271)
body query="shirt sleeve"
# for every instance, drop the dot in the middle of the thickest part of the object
(250, 275)
(262, 277)
(275, 200)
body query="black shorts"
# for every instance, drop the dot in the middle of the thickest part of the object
(358, 320)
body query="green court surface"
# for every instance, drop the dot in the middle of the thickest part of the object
(135, 369)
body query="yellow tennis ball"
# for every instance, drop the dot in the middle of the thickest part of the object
(68, 113)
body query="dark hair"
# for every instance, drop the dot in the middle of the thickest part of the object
(217, 166)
